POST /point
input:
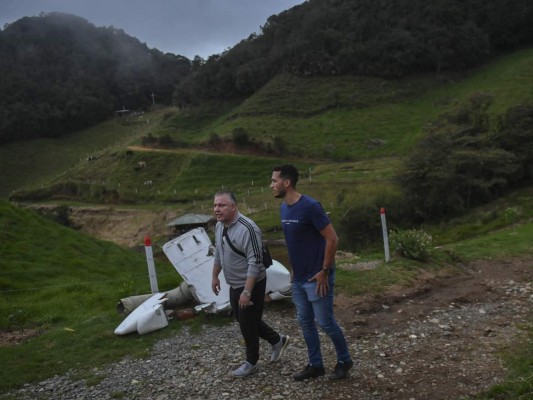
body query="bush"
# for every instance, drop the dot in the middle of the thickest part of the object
(413, 244)
(460, 163)
(360, 226)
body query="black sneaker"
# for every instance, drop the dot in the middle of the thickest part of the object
(341, 370)
(309, 372)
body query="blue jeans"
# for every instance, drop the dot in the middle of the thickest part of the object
(310, 307)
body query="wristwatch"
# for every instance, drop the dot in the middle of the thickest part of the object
(325, 270)
(247, 293)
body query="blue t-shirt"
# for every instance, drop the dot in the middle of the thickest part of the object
(302, 223)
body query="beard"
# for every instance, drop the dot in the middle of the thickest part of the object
(280, 194)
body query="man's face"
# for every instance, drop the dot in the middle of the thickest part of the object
(224, 209)
(278, 185)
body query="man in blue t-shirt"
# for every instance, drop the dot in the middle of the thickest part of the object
(312, 243)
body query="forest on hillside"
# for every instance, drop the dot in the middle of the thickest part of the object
(385, 38)
(59, 73)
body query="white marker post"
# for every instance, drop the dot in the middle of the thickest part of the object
(385, 235)
(151, 265)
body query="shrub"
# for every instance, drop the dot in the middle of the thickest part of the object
(460, 164)
(360, 226)
(413, 244)
(166, 141)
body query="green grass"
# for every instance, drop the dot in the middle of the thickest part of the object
(508, 242)
(64, 285)
(518, 384)
(501, 228)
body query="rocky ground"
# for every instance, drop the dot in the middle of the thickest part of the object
(438, 340)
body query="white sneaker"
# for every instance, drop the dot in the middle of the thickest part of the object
(244, 370)
(279, 348)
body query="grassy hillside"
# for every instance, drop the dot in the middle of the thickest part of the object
(62, 287)
(341, 118)
(343, 131)
(373, 123)
(34, 163)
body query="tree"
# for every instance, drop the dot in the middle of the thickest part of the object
(84, 73)
(458, 164)
(514, 133)
(382, 38)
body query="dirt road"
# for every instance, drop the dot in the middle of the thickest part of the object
(442, 338)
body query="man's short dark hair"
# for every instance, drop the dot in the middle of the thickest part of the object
(288, 171)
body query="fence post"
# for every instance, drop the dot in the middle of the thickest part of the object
(385, 234)
(151, 265)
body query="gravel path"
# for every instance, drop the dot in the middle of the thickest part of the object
(447, 349)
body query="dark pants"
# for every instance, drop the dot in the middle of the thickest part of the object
(250, 320)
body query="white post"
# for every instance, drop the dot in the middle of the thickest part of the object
(385, 235)
(151, 265)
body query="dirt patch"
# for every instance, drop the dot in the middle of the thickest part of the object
(222, 146)
(12, 338)
(126, 227)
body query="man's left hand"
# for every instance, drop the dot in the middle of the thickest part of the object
(322, 285)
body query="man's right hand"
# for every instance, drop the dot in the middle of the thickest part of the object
(215, 286)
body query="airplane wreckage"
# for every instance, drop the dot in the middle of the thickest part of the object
(192, 256)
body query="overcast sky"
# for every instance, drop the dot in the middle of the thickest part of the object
(184, 27)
